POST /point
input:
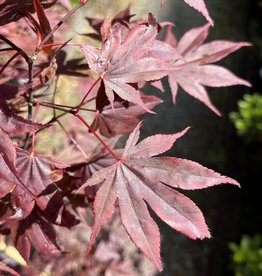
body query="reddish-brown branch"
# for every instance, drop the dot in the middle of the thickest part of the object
(96, 135)
(70, 13)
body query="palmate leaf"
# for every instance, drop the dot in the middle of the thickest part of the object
(122, 61)
(36, 230)
(36, 173)
(196, 71)
(14, 125)
(138, 178)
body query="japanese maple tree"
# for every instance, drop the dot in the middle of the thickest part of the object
(81, 173)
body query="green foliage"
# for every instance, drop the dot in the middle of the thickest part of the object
(247, 256)
(248, 120)
(74, 2)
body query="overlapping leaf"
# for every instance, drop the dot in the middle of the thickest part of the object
(37, 231)
(38, 172)
(195, 73)
(124, 60)
(14, 125)
(13, 10)
(137, 178)
(123, 119)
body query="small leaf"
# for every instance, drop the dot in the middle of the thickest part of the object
(194, 72)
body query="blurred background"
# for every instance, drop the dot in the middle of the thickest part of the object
(230, 145)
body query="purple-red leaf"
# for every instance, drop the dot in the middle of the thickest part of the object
(138, 178)
(37, 172)
(195, 73)
(123, 119)
(37, 231)
(122, 61)
(7, 157)
(16, 125)
(13, 10)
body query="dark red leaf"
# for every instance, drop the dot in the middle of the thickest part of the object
(38, 172)
(16, 125)
(13, 10)
(36, 231)
(45, 27)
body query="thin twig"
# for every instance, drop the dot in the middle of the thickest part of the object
(8, 62)
(72, 139)
(96, 135)
(79, 5)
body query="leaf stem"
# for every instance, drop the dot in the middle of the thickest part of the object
(60, 44)
(6, 49)
(87, 93)
(96, 135)
(50, 105)
(30, 98)
(33, 136)
(55, 106)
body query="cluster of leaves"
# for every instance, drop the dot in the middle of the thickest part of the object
(40, 195)
(247, 256)
(248, 120)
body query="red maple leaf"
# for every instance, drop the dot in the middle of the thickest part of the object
(11, 124)
(138, 178)
(123, 59)
(36, 173)
(196, 71)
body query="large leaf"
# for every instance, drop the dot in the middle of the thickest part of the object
(139, 178)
